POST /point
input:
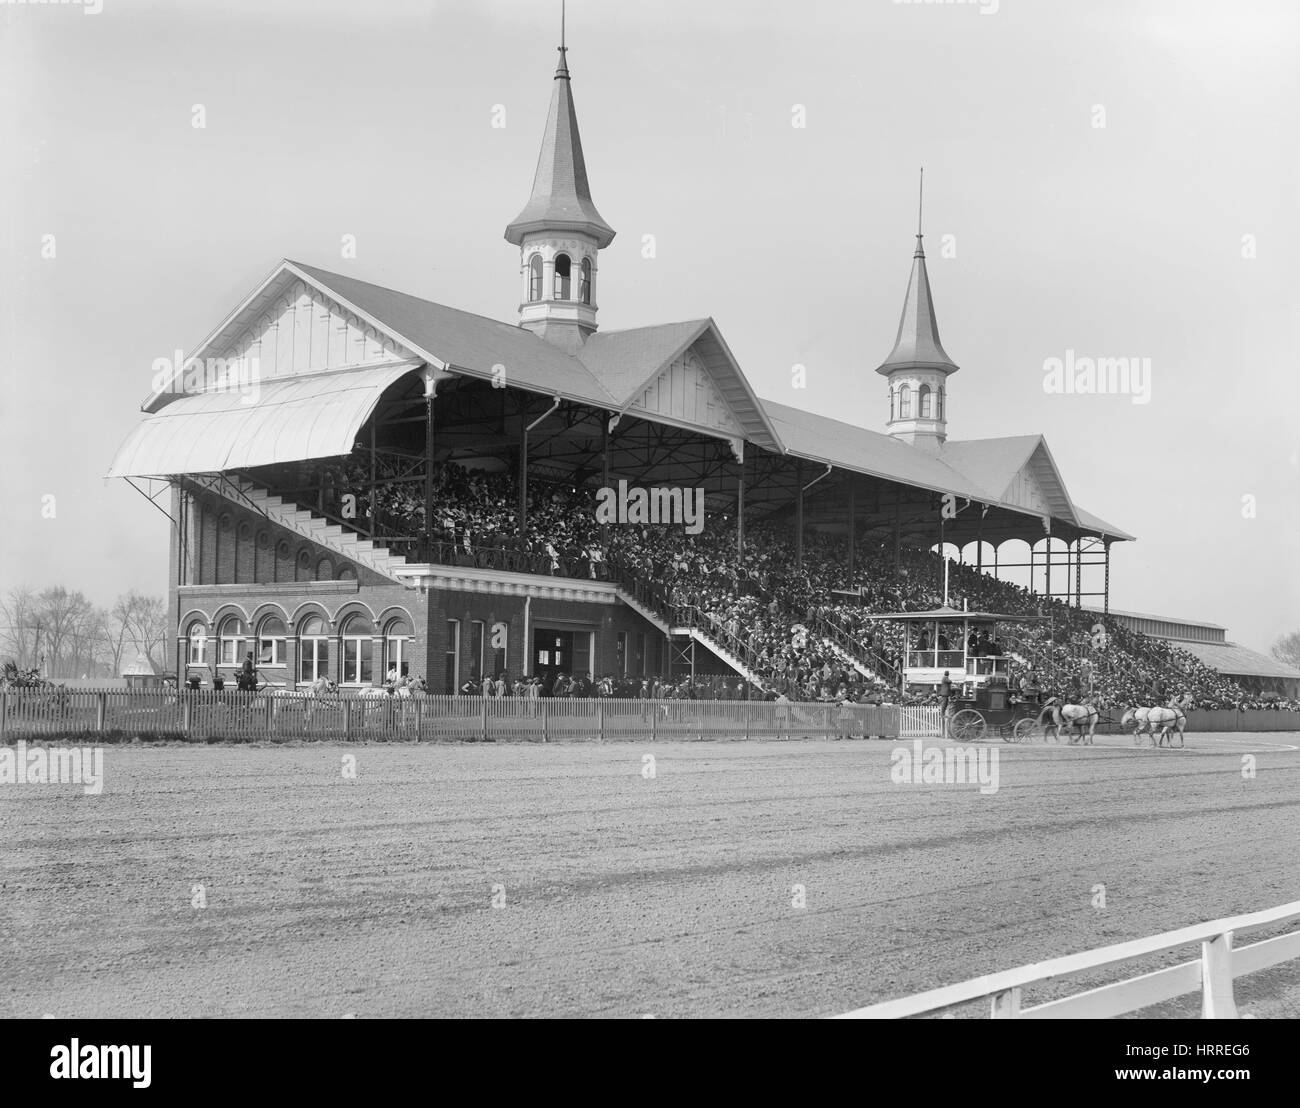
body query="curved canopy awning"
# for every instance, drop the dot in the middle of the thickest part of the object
(283, 419)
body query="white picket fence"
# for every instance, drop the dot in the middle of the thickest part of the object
(920, 722)
(1212, 974)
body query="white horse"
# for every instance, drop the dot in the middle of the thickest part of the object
(1148, 719)
(1137, 719)
(1080, 718)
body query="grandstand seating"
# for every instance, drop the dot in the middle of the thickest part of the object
(776, 619)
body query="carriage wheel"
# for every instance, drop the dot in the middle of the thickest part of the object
(1026, 729)
(967, 726)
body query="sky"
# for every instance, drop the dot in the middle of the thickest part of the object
(1109, 179)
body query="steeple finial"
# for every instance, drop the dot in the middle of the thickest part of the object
(563, 69)
(920, 208)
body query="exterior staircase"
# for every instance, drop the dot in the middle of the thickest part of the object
(332, 536)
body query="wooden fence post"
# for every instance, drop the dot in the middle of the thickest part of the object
(485, 707)
(185, 712)
(101, 710)
(347, 719)
(1006, 1005)
(600, 721)
(546, 719)
(1217, 1002)
(4, 709)
(270, 714)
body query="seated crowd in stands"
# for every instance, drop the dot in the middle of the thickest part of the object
(779, 616)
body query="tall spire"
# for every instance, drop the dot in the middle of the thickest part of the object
(917, 345)
(559, 233)
(561, 199)
(918, 367)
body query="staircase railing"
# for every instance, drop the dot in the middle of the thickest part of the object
(847, 642)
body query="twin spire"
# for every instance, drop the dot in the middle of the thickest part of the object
(917, 345)
(560, 231)
(561, 198)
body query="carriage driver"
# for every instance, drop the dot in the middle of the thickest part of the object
(247, 674)
(945, 692)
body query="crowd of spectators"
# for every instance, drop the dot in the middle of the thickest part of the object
(769, 608)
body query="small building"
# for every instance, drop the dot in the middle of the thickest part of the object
(140, 675)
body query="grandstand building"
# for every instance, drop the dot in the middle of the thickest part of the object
(318, 448)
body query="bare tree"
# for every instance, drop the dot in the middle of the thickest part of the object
(144, 623)
(61, 617)
(18, 626)
(113, 640)
(1287, 649)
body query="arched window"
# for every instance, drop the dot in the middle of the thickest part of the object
(905, 402)
(891, 403)
(584, 288)
(926, 407)
(313, 649)
(270, 642)
(358, 657)
(397, 636)
(563, 272)
(198, 641)
(939, 408)
(233, 636)
(535, 278)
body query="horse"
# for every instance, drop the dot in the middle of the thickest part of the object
(1148, 719)
(1080, 717)
(1136, 718)
(1167, 719)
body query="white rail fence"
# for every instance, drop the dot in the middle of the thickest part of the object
(1212, 974)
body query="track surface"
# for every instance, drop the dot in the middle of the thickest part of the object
(618, 894)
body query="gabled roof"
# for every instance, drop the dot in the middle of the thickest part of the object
(995, 463)
(561, 198)
(625, 362)
(917, 345)
(830, 441)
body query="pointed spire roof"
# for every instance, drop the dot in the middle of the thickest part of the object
(917, 345)
(561, 199)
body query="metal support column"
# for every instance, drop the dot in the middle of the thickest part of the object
(853, 489)
(429, 388)
(798, 514)
(1105, 604)
(740, 511)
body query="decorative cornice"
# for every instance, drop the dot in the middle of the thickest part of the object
(505, 583)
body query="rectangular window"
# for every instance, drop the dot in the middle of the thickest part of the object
(314, 659)
(500, 640)
(357, 668)
(452, 662)
(639, 658)
(270, 651)
(198, 650)
(395, 654)
(620, 654)
(476, 649)
(232, 651)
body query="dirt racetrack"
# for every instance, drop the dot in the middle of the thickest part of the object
(616, 893)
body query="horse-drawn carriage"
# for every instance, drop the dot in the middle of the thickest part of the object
(964, 650)
(992, 708)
